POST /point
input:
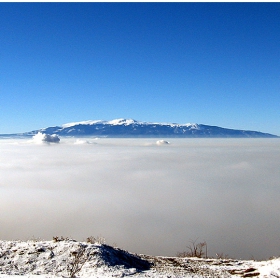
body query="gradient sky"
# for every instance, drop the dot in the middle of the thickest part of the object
(209, 63)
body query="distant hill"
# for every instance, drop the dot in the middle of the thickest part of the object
(132, 128)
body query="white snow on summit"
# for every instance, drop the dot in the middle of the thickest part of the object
(82, 122)
(127, 122)
(121, 122)
(112, 122)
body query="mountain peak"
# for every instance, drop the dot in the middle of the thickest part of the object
(132, 128)
(90, 122)
(122, 122)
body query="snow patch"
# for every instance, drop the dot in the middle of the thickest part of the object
(192, 125)
(89, 122)
(122, 122)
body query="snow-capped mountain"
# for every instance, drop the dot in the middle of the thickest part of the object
(133, 128)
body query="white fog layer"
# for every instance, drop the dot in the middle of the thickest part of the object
(145, 197)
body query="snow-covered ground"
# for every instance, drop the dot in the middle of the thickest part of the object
(66, 258)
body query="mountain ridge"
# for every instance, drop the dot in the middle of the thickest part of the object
(133, 128)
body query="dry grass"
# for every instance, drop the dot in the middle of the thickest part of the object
(78, 260)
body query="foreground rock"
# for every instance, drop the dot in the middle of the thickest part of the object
(69, 258)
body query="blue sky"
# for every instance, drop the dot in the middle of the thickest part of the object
(209, 63)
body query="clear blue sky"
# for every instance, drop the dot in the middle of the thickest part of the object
(209, 63)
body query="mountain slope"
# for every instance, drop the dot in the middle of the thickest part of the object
(132, 128)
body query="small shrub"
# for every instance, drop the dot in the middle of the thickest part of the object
(57, 239)
(79, 259)
(92, 240)
(198, 250)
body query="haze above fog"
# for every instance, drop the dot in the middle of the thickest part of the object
(145, 195)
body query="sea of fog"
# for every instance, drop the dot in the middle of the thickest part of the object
(145, 196)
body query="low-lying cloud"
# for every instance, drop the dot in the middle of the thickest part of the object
(162, 142)
(82, 142)
(45, 138)
(145, 198)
